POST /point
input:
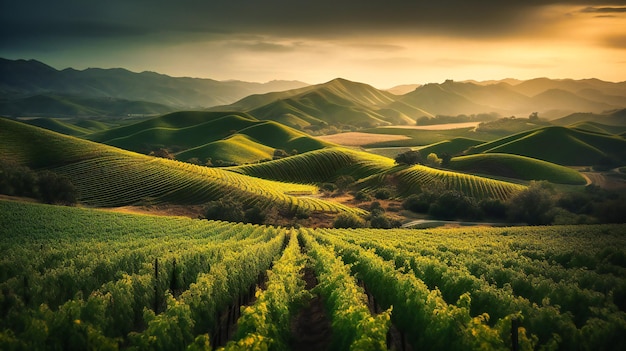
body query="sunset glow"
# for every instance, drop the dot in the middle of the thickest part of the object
(578, 40)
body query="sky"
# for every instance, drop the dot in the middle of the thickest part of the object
(382, 43)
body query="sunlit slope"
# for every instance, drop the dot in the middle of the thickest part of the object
(337, 102)
(189, 128)
(319, 166)
(107, 176)
(372, 172)
(238, 148)
(519, 167)
(414, 179)
(560, 145)
(234, 137)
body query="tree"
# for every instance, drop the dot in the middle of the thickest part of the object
(344, 182)
(280, 153)
(225, 209)
(348, 220)
(445, 159)
(534, 117)
(410, 157)
(163, 153)
(56, 189)
(432, 160)
(533, 205)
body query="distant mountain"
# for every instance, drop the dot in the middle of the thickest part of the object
(27, 86)
(614, 118)
(22, 78)
(78, 106)
(337, 102)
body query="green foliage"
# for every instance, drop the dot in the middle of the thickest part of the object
(55, 189)
(90, 282)
(348, 220)
(382, 194)
(433, 160)
(452, 205)
(533, 205)
(411, 157)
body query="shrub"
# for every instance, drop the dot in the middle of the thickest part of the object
(382, 194)
(532, 205)
(410, 157)
(348, 220)
(384, 222)
(56, 189)
(453, 204)
(362, 196)
(225, 209)
(419, 203)
(493, 208)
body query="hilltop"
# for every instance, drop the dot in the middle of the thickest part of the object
(232, 137)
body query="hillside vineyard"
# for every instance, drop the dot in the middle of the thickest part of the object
(74, 278)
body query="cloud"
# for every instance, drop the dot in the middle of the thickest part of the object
(34, 20)
(591, 9)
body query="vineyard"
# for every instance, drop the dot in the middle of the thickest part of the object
(76, 279)
(416, 177)
(108, 177)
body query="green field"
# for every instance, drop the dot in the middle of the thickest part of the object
(75, 278)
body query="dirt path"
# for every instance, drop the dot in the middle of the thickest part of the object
(311, 327)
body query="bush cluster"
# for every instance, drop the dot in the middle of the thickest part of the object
(47, 186)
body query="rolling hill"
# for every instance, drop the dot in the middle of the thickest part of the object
(560, 145)
(518, 167)
(371, 172)
(106, 176)
(614, 118)
(452, 147)
(227, 136)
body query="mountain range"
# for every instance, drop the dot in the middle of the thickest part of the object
(31, 88)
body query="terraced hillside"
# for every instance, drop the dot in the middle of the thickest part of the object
(371, 172)
(560, 145)
(415, 178)
(319, 166)
(107, 176)
(76, 278)
(518, 167)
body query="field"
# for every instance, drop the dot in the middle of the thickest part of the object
(76, 278)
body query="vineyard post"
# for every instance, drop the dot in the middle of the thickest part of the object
(515, 323)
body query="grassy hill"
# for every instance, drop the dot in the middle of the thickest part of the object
(337, 102)
(319, 166)
(518, 167)
(412, 179)
(228, 136)
(560, 145)
(58, 126)
(615, 118)
(452, 147)
(106, 176)
(371, 172)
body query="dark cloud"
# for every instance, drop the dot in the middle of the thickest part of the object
(604, 9)
(45, 21)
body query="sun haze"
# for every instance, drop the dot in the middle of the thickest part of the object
(380, 43)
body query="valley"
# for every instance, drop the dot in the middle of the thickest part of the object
(193, 214)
